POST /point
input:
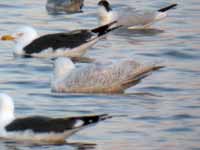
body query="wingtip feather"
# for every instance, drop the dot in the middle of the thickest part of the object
(104, 117)
(157, 67)
(168, 7)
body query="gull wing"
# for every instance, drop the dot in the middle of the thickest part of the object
(104, 78)
(133, 17)
(39, 124)
(59, 40)
(98, 78)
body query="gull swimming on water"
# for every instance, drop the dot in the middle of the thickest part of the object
(70, 44)
(68, 6)
(131, 17)
(97, 77)
(40, 129)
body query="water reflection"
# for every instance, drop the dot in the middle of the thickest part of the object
(138, 32)
(53, 12)
(83, 146)
(80, 95)
(9, 145)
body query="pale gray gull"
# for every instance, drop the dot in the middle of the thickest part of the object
(98, 77)
(130, 17)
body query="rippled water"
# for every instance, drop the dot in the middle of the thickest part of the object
(162, 112)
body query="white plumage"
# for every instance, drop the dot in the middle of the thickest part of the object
(23, 36)
(6, 111)
(97, 77)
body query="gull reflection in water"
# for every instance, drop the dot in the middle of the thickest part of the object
(11, 145)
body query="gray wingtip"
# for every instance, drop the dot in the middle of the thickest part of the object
(158, 67)
(104, 29)
(104, 117)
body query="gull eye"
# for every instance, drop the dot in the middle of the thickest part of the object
(19, 34)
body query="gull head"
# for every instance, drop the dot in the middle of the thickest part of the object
(105, 4)
(62, 66)
(22, 37)
(105, 13)
(6, 110)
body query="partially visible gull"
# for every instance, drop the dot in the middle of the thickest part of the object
(68, 6)
(40, 129)
(131, 17)
(97, 77)
(70, 44)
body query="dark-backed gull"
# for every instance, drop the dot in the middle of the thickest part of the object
(70, 44)
(40, 129)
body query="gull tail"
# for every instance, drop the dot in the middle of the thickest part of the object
(139, 75)
(167, 8)
(102, 30)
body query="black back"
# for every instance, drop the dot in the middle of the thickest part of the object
(44, 124)
(59, 40)
(105, 4)
(104, 28)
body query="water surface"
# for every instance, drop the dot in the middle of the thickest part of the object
(162, 112)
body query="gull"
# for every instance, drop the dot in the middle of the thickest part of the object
(98, 77)
(68, 6)
(70, 44)
(40, 129)
(130, 17)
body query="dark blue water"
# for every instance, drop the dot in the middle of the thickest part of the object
(162, 112)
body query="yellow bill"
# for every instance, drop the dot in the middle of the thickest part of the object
(7, 38)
